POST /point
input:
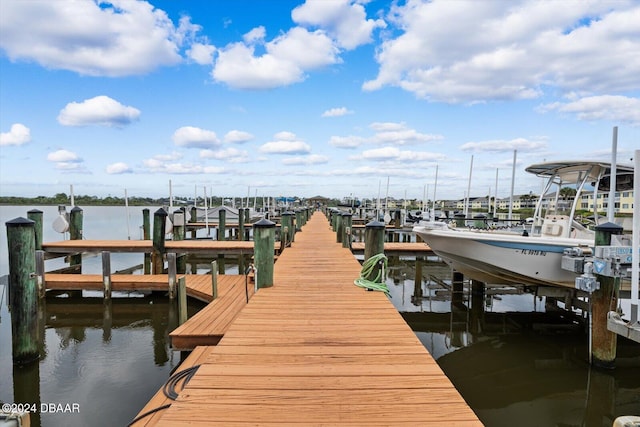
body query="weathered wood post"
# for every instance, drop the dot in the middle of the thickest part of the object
(75, 233)
(334, 219)
(23, 290)
(339, 229)
(247, 218)
(346, 229)
(603, 341)
(193, 218)
(287, 226)
(222, 224)
(35, 215)
(264, 242)
(418, 278)
(240, 224)
(298, 219)
(182, 300)
(214, 280)
(373, 244)
(179, 233)
(460, 220)
(146, 235)
(159, 231)
(477, 305)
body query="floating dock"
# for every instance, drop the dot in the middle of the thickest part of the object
(315, 349)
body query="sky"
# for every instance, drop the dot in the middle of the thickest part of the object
(300, 98)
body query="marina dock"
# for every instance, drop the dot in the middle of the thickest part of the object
(315, 349)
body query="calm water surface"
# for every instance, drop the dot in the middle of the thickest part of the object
(514, 362)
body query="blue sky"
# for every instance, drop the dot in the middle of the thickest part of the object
(328, 97)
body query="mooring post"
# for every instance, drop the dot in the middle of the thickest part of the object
(182, 300)
(214, 280)
(298, 219)
(339, 229)
(418, 277)
(106, 273)
(373, 244)
(75, 233)
(193, 218)
(159, 231)
(172, 273)
(222, 227)
(179, 232)
(287, 226)
(477, 305)
(23, 290)
(460, 220)
(264, 243)
(35, 215)
(334, 219)
(146, 235)
(40, 279)
(240, 224)
(603, 341)
(222, 224)
(346, 229)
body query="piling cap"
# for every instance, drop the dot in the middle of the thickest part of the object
(609, 227)
(375, 224)
(264, 223)
(34, 211)
(160, 212)
(20, 222)
(347, 214)
(287, 213)
(76, 209)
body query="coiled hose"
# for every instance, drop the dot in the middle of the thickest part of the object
(378, 283)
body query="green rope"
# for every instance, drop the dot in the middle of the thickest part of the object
(378, 283)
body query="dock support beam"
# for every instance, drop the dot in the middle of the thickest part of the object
(603, 341)
(159, 231)
(23, 290)
(373, 244)
(264, 238)
(182, 300)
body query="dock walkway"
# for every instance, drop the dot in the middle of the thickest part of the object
(315, 349)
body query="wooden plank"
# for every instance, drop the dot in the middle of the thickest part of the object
(159, 399)
(315, 349)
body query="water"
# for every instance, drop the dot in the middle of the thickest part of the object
(515, 361)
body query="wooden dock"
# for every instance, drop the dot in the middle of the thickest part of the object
(314, 349)
(222, 247)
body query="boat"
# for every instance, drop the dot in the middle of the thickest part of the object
(532, 256)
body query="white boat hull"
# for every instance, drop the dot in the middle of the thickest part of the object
(503, 258)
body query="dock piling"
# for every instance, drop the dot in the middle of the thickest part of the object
(373, 244)
(603, 341)
(346, 229)
(146, 235)
(35, 215)
(75, 233)
(159, 231)
(182, 300)
(23, 290)
(172, 271)
(214, 280)
(264, 240)
(106, 273)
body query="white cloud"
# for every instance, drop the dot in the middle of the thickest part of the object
(193, 137)
(100, 110)
(494, 50)
(118, 168)
(255, 35)
(401, 135)
(520, 144)
(157, 166)
(344, 20)
(285, 136)
(65, 156)
(117, 38)
(606, 107)
(337, 112)
(19, 134)
(312, 159)
(285, 62)
(201, 53)
(346, 141)
(237, 137)
(395, 154)
(285, 147)
(230, 154)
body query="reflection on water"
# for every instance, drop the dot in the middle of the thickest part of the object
(515, 362)
(106, 358)
(512, 361)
